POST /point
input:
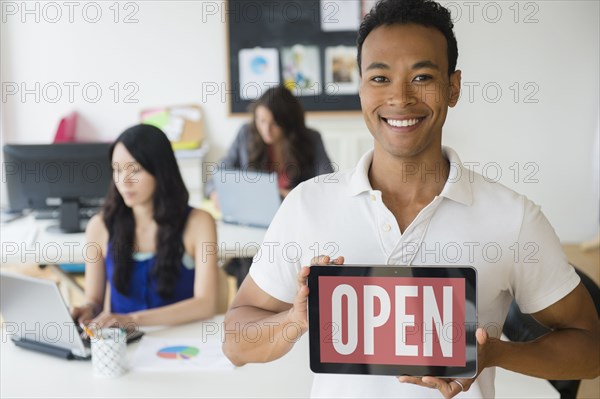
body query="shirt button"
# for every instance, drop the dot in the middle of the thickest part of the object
(387, 227)
(373, 197)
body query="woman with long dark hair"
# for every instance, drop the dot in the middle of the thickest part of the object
(157, 253)
(277, 140)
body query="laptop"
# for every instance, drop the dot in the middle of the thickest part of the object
(37, 318)
(247, 197)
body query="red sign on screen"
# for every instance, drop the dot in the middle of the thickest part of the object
(392, 320)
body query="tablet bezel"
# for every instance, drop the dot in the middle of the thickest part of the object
(467, 272)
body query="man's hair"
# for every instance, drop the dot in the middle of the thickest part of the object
(421, 12)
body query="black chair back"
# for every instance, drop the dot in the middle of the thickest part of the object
(520, 327)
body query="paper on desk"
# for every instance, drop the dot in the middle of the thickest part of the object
(179, 354)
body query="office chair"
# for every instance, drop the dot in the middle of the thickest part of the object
(521, 327)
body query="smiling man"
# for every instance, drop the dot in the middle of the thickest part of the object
(405, 203)
(405, 93)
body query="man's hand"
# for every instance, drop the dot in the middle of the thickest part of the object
(452, 387)
(298, 314)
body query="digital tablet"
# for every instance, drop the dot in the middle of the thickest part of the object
(393, 320)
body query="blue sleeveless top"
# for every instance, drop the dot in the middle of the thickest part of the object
(143, 286)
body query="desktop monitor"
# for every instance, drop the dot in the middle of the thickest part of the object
(65, 176)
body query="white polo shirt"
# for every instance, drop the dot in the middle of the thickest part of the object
(472, 222)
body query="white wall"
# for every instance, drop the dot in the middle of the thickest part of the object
(176, 48)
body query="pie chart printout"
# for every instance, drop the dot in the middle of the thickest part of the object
(178, 352)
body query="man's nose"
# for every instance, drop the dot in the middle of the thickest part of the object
(401, 94)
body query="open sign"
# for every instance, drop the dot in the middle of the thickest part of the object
(392, 320)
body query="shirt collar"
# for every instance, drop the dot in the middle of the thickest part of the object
(359, 182)
(457, 187)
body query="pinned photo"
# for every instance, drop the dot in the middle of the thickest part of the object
(341, 70)
(340, 15)
(301, 69)
(259, 70)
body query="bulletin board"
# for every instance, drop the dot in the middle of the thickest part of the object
(183, 124)
(307, 45)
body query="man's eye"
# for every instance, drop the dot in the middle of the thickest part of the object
(379, 79)
(422, 78)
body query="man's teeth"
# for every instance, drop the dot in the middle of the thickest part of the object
(402, 123)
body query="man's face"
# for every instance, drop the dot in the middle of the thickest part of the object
(405, 89)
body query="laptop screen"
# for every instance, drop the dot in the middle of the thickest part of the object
(247, 197)
(34, 310)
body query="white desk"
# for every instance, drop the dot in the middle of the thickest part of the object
(26, 241)
(33, 375)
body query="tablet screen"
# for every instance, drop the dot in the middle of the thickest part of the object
(389, 320)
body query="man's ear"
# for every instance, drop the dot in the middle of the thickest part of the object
(455, 79)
